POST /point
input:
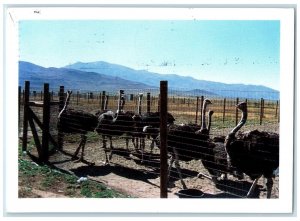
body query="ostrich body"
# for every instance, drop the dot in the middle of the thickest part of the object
(188, 142)
(114, 124)
(151, 121)
(215, 161)
(138, 137)
(255, 153)
(76, 122)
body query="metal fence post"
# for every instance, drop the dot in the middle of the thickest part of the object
(163, 139)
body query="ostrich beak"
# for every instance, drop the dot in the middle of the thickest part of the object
(208, 101)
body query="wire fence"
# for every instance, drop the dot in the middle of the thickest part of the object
(137, 149)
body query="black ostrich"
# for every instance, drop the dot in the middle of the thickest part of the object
(114, 124)
(150, 124)
(188, 142)
(76, 122)
(138, 136)
(255, 153)
(216, 161)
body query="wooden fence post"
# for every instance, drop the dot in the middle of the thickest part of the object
(276, 109)
(19, 105)
(158, 103)
(103, 100)
(197, 109)
(236, 112)
(163, 139)
(261, 111)
(61, 96)
(224, 109)
(100, 99)
(46, 125)
(148, 102)
(25, 115)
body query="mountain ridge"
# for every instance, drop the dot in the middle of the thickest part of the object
(106, 76)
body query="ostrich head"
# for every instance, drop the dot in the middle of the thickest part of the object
(231, 136)
(203, 124)
(243, 107)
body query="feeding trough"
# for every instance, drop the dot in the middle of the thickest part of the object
(190, 193)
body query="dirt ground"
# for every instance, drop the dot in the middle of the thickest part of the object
(126, 173)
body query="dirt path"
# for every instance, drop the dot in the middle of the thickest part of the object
(128, 175)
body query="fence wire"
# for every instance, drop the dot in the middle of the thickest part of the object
(127, 133)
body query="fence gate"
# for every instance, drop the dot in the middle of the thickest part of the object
(32, 119)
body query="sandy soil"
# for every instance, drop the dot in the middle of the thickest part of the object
(126, 173)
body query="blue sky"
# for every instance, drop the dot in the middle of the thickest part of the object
(224, 51)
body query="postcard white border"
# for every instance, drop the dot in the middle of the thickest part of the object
(282, 205)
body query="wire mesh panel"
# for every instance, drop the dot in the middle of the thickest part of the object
(116, 134)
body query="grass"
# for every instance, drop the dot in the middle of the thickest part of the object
(42, 178)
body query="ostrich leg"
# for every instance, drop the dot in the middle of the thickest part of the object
(170, 166)
(111, 148)
(105, 149)
(177, 166)
(252, 187)
(269, 186)
(142, 147)
(82, 148)
(81, 144)
(212, 178)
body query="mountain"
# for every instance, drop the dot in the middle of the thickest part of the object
(72, 79)
(178, 82)
(103, 76)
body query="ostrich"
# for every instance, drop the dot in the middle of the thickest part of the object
(98, 113)
(216, 161)
(255, 153)
(186, 142)
(78, 122)
(138, 135)
(150, 126)
(114, 124)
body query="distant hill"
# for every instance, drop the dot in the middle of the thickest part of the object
(99, 76)
(178, 82)
(73, 79)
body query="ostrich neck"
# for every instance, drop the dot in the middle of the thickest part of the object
(65, 105)
(241, 123)
(119, 103)
(209, 122)
(105, 103)
(203, 126)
